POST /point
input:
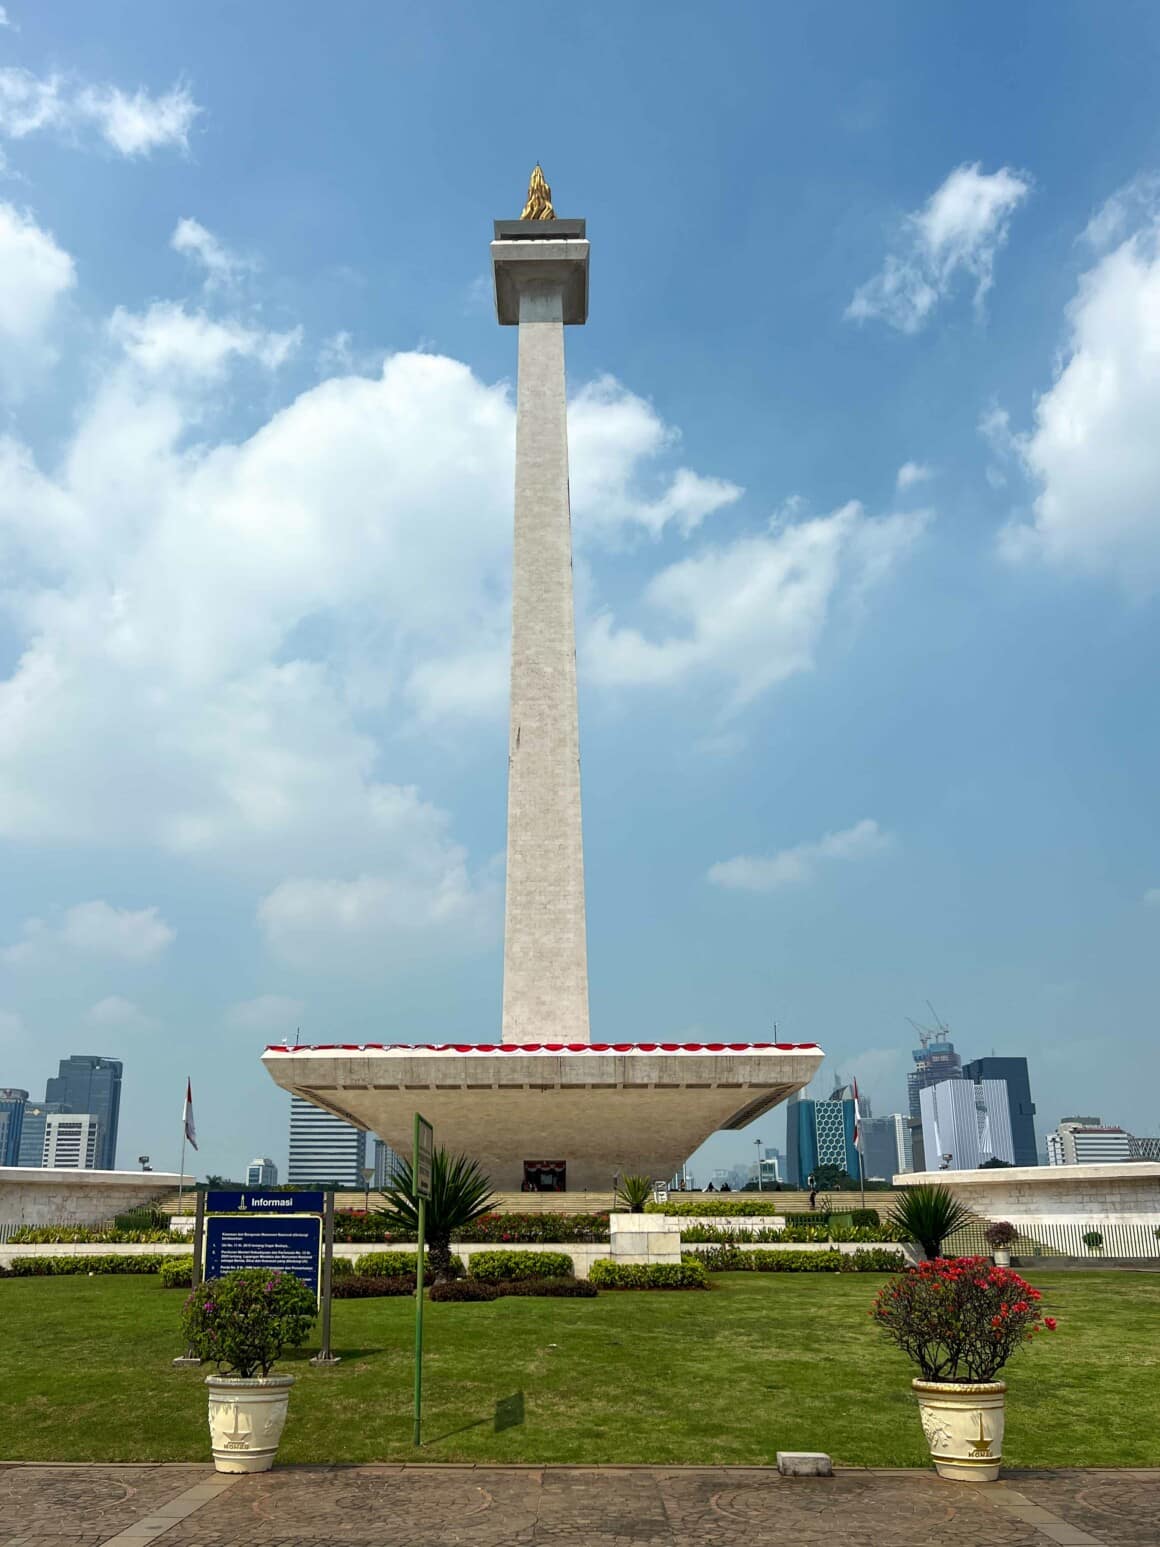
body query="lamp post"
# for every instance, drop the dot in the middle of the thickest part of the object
(759, 1143)
(368, 1176)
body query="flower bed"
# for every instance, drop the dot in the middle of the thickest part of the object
(51, 1267)
(502, 1229)
(76, 1235)
(732, 1259)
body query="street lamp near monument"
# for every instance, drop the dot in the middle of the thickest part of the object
(368, 1176)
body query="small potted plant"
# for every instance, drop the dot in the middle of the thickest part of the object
(243, 1323)
(960, 1319)
(1000, 1237)
(1093, 1240)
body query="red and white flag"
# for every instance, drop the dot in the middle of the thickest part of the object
(187, 1114)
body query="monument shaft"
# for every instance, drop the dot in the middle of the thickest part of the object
(545, 988)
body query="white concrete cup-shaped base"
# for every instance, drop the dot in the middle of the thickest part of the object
(246, 1419)
(963, 1423)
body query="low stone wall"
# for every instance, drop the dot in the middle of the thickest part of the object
(30, 1195)
(643, 1238)
(1126, 1193)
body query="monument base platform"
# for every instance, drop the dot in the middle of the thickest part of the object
(599, 1109)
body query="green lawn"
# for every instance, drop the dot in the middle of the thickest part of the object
(760, 1364)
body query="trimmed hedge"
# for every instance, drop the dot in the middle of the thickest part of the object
(690, 1273)
(52, 1267)
(177, 1273)
(549, 1288)
(718, 1205)
(78, 1235)
(464, 1289)
(868, 1217)
(554, 1228)
(494, 1267)
(355, 1287)
(391, 1264)
(731, 1259)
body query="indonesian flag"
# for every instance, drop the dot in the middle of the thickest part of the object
(187, 1114)
(857, 1121)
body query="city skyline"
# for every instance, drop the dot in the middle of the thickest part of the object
(845, 588)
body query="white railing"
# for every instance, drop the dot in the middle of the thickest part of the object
(1065, 1238)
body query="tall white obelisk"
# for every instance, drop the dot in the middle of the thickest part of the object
(540, 266)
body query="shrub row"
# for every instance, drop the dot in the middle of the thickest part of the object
(689, 1273)
(177, 1273)
(391, 1264)
(514, 1228)
(53, 1267)
(731, 1259)
(356, 1287)
(492, 1267)
(76, 1235)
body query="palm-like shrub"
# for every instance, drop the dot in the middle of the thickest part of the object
(634, 1192)
(459, 1193)
(929, 1214)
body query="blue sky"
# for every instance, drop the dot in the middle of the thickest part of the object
(867, 511)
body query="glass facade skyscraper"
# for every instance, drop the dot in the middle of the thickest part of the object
(12, 1104)
(87, 1083)
(1013, 1072)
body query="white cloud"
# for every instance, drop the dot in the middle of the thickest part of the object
(1093, 452)
(115, 1013)
(6, 20)
(956, 234)
(267, 1014)
(911, 473)
(1152, 897)
(167, 339)
(223, 267)
(131, 124)
(34, 275)
(1135, 205)
(93, 929)
(751, 612)
(791, 867)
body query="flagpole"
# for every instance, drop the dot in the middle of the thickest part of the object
(184, 1137)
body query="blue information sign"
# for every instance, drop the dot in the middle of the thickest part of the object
(283, 1245)
(264, 1202)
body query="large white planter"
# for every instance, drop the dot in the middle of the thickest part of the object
(963, 1424)
(1002, 1257)
(246, 1419)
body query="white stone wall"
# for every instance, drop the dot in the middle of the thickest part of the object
(33, 1196)
(1123, 1193)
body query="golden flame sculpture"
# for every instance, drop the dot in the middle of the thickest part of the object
(539, 205)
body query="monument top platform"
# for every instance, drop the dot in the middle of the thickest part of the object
(539, 230)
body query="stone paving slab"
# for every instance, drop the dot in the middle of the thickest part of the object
(443, 1506)
(85, 1506)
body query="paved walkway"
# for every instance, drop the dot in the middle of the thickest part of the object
(440, 1506)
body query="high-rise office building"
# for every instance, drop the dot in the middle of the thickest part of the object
(934, 1062)
(71, 1141)
(262, 1172)
(32, 1132)
(12, 1105)
(969, 1122)
(387, 1163)
(1013, 1073)
(324, 1149)
(87, 1083)
(819, 1133)
(884, 1146)
(1086, 1141)
(1143, 1147)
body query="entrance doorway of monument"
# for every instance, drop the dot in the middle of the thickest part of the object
(545, 1176)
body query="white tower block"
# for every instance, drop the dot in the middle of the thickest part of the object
(541, 285)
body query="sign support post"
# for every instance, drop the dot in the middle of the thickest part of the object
(324, 1355)
(421, 1157)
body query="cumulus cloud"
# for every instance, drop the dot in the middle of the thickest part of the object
(791, 867)
(93, 929)
(751, 612)
(955, 235)
(269, 1014)
(1093, 451)
(132, 124)
(35, 273)
(911, 473)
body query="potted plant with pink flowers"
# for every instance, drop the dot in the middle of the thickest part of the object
(243, 1323)
(960, 1319)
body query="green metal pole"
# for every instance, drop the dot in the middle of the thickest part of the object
(415, 1440)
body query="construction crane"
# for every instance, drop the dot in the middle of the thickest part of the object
(939, 1032)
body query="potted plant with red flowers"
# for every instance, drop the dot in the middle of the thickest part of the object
(243, 1323)
(960, 1319)
(1000, 1237)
